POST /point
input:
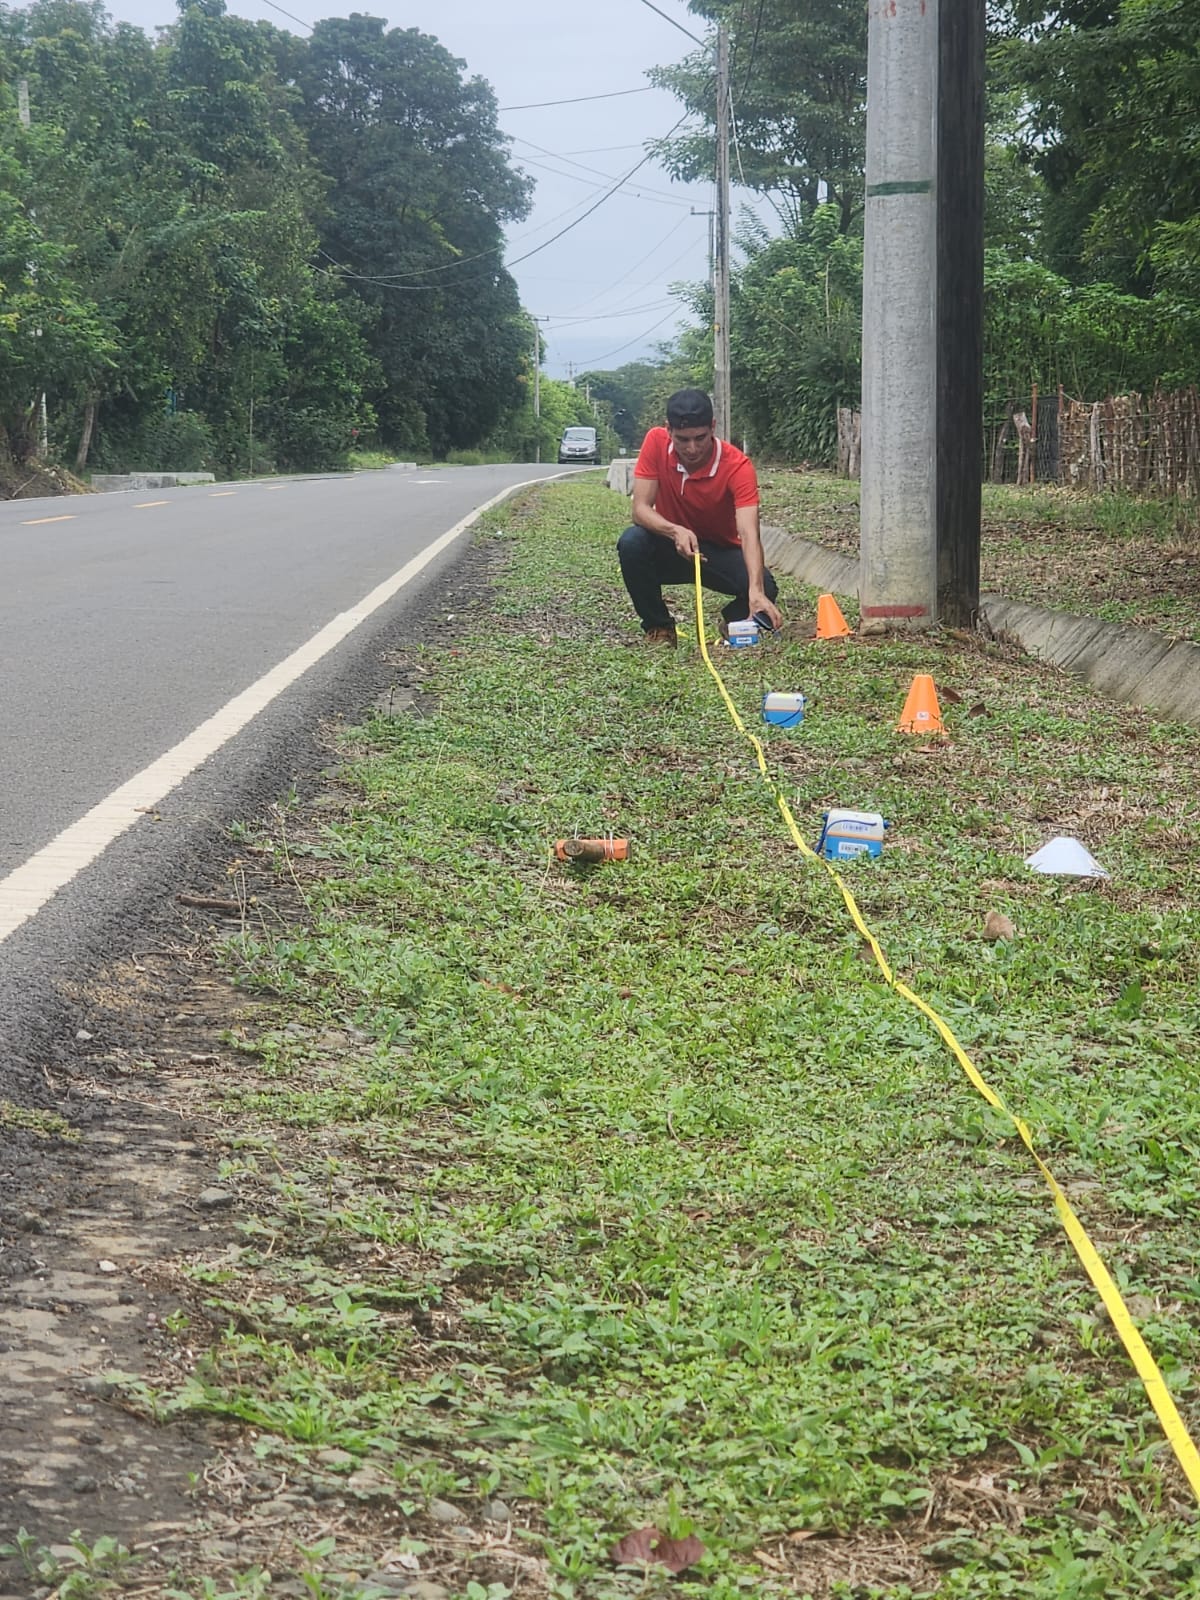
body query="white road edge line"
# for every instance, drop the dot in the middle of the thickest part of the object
(28, 887)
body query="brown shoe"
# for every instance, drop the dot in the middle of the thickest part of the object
(666, 636)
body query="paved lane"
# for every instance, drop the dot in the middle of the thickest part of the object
(126, 620)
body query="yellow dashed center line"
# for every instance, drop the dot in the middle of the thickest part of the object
(271, 487)
(219, 494)
(33, 522)
(142, 504)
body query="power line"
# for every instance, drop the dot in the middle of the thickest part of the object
(393, 278)
(576, 100)
(289, 14)
(598, 203)
(609, 316)
(629, 272)
(583, 166)
(640, 193)
(675, 24)
(608, 354)
(754, 44)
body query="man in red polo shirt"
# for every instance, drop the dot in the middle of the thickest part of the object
(693, 491)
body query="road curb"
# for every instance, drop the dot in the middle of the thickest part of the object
(1136, 665)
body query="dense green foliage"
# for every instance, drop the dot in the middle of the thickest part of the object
(236, 248)
(1092, 207)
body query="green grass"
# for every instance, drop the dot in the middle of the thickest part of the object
(640, 1198)
(1104, 555)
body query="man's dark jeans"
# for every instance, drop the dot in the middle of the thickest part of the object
(648, 561)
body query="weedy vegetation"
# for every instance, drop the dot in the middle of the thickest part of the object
(1114, 556)
(633, 1195)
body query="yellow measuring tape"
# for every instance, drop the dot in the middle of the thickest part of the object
(1144, 1363)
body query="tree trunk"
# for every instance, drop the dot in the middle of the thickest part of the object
(85, 438)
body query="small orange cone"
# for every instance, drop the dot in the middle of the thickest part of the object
(831, 624)
(921, 713)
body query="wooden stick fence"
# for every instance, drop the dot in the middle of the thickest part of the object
(1139, 444)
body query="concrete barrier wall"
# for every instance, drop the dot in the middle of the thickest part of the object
(112, 482)
(620, 474)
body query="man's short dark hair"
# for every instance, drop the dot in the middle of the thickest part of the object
(689, 408)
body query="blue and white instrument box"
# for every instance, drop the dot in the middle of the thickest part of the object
(851, 833)
(742, 634)
(783, 710)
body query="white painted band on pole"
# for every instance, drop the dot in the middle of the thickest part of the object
(28, 887)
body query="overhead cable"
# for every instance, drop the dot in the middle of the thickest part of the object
(575, 100)
(607, 195)
(675, 24)
(608, 354)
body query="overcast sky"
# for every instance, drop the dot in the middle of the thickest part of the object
(611, 272)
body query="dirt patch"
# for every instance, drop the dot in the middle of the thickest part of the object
(34, 480)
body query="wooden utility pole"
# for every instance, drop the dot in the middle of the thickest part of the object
(721, 246)
(537, 392)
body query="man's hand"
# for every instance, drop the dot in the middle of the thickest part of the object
(760, 604)
(686, 543)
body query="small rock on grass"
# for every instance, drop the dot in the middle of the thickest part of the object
(496, 1511)
(443, 1511)
(423, 1589)
(214, 1199)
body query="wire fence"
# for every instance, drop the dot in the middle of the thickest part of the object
(1141, 444)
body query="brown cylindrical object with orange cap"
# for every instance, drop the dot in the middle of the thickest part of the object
(592, 850)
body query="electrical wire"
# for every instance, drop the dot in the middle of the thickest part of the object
(393, 279)
(675, 24)
(670, 234)
(583, 166)
(386, 280)
(576, 100)
(597, 204)
(609, 316)
(608, 354)
(652, 196)
(762, 4)
(291, 15)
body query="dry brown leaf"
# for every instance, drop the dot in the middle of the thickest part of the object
(998, 926)
(800, 1534)
(978, 710)
(950, 696)
(649, 1547)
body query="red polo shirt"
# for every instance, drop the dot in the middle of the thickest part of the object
(704, 500)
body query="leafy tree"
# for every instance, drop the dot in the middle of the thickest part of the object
(799, 76)
(413, 224)
(51, 336)
(631, 393)
(1113, 89)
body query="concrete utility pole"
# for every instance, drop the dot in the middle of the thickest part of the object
(922, 312)
(721, 246)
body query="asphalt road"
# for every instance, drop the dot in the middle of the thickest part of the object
(127, 620)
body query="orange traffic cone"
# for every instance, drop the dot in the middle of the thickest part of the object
(831, 624)
(921, 713)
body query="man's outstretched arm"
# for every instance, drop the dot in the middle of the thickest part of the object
(748, 532)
